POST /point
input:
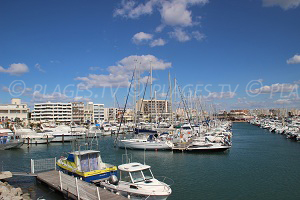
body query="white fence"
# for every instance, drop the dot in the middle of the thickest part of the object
(43, 165)
(81, 189)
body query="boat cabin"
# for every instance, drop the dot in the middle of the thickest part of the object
(135, 172)
(86, 161)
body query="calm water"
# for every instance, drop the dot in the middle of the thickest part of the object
(260, 165)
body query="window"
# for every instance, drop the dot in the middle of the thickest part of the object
(124, 176)
(147, 174)
(137, 176)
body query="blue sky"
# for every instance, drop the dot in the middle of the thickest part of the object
(208, 45)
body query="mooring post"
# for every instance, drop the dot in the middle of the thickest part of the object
(60, 182)
(77, 189)
(98, 193)
(32, 166)
(55, 163)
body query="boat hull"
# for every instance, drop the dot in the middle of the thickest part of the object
(144, 145)
(11, 145)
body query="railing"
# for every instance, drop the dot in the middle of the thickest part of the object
(81, 189)
(43, 165)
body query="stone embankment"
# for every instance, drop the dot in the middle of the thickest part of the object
(8, 192)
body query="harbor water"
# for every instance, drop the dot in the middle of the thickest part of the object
(260, 165)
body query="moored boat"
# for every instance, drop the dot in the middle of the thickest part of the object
(86, 165)
(137, 182)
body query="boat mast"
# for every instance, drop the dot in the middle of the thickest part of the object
(155, 107)
(171, 93)
(150, 91)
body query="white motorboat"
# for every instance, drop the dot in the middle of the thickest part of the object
(137, 182)
(62, 133)
(201, 144)
(31, 137)
(8, 140)
(107, 129)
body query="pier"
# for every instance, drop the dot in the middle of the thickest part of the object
(71, 187)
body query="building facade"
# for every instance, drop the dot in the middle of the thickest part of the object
(110, 114)
(78, 112)
(52, 112)
(9, 112)
(151, 109)
(98, 113)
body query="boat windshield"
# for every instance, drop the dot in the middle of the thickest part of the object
(147, 174)
(137, 176)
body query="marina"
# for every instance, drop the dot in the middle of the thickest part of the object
(258, 161)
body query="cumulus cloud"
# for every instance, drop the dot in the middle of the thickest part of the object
(15, 69)
(180, 35)
(294, 60)
(198, 36)
(121, 73)
(39, 67)
(158, 42)
(175, 13)
(284, 4)
(141, 36)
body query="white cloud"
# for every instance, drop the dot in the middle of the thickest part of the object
(275, 88)
(198, 36)
(282, 101)
(39, 67)
(220, 95)
(15, 69)
(160, 28)
(175, 13)
(180, 35)
(120, 74)
(284, 4)
(294, 60)
(158, 42)
(130, 10)
(141, 36)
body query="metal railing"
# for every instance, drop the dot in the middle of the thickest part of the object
(81, 189)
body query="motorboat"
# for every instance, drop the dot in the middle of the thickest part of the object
(137, 182)
(202, 144)
(106, 129)
(8, 140)
(62, 133)
(86, 165)
(30, 136)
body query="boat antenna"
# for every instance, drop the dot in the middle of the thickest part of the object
(122, 117)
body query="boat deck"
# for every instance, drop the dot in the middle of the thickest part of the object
(52, 179)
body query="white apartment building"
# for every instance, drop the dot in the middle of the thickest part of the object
(98, 113)
(14, 110)
(52, 112)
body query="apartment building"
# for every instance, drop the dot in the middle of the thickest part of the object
(52, 112)
(16, 109)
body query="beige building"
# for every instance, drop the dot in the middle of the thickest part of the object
(9, 112)
(150, 109)
(78, 112)
(110, 114)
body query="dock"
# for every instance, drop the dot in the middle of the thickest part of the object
(69, 186)
(75, 188)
